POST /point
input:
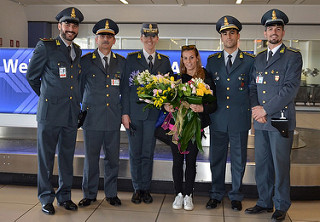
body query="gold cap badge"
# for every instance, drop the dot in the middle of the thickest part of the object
(73, 13)
(226, 21)
(150, 26)
(274, 16)
(107, 25)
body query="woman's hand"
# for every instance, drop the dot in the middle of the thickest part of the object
(168, 107)
(196, 108)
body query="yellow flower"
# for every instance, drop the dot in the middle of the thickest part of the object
(200, 92)
(155, 79)
(201, 86)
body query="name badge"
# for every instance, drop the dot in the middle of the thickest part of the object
(259, 79)
(63, 72)
(115, 82)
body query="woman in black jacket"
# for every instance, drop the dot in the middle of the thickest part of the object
(190, 67)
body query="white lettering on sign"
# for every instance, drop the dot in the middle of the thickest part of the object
(175, 67)
(11, 66)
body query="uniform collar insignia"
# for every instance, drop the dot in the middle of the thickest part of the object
(114, 55)
(282, 50)
(241, 55)
(159, 57)
(57, 42)
(219, 56)
(139, 56)
(94, 56)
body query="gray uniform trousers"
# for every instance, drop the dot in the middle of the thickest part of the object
(219, 142)
(64, 139)
(272, 156)
(110, 141)
(142, 146)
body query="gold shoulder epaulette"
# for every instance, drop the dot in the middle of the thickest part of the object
(163, 55)
(131, 53)
(120, 55)
(47, 40)
(293, 49)
(262, 51)
(89, 53)
(249, 54)
(76, 45)
(214, 54)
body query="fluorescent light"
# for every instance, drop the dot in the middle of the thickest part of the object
(238, 2)
(124, 2)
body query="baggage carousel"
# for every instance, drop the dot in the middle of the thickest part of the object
(18, 163)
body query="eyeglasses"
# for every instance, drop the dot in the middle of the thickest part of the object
(188, 47)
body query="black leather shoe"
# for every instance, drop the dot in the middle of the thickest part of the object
(257, 209)
(146, 197)
(278, 215)
(212, 203)
(48, 209)
(236, 205)
(114, 201)
(86, 202)
(136, 197)
(68, 205)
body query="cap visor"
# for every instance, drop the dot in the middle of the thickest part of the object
(229, 27)
(105, 32)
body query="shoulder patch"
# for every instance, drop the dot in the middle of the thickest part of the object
(262, 51)
(215, 54)
(89, 53)
(163, 55)
(120, 55)
(76, 45)
(132, 53)
(47, 40)
(293, 49)
(249, 54)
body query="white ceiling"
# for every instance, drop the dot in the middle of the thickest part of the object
(167, 2)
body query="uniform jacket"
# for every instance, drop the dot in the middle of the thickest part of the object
(279, 84)
(233, 113)
(55, 79)
(137, 62)
(101, 91)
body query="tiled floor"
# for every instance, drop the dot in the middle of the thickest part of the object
(19, 203)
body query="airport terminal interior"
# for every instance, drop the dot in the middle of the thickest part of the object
(181, 22)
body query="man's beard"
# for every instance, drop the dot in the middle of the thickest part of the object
(63, 34)
(274, 41)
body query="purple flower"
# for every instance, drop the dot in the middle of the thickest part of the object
(132, 77)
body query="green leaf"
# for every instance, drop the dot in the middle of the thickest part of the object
(194, 99)
(207, 98)
(189, 129)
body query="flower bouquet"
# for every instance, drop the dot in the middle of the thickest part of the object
(187, 123)
(156, 90)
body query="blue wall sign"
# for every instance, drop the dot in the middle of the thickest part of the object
(16, 96)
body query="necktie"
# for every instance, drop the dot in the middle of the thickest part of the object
(150, 62)
(106, 65)
(69, 51)
(229, 64)
(269, 56)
